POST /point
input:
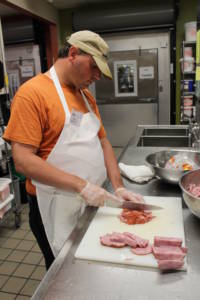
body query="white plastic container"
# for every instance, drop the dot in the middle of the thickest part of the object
(188, 101)
(187, 64)
(190, 31)
(4, 188)
(187, 52)
(188, 111)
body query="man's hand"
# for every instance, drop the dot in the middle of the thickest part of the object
(127, 195)
(95, 195)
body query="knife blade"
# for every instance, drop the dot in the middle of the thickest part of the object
(139, 206)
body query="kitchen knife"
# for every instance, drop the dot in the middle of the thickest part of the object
(134, 206)
(139, 206)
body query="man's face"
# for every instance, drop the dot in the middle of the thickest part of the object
(85, 71)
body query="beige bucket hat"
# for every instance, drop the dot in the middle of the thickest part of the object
(91, 43)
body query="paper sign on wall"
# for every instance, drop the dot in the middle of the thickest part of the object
(27, 71)
(146, 72)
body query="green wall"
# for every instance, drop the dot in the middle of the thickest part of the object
(65, 21)
(187, 13)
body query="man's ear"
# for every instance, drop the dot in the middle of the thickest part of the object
(73, 52)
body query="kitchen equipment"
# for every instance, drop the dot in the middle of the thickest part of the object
(138, 206)
(188, 100)
(159, 159)
(191, 201)
(188, 85)
(195, 130)
(167, 222)
(187, 51)
(190, 31)
(187, 64)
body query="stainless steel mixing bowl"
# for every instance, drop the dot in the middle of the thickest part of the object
(191, 201)
(158, 160)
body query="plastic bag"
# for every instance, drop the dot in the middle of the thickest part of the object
(181, 162)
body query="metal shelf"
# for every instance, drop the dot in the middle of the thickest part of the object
(189, 73)
(188, 94)
(189, 42)
(186, 76)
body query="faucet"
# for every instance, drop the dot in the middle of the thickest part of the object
(194, 135)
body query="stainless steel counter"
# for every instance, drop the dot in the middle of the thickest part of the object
(75, 279)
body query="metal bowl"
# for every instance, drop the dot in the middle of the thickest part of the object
(191, 201)
(158, 160)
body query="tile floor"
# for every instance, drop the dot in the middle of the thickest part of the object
(21, 263)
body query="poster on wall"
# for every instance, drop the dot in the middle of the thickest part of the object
(125, 78)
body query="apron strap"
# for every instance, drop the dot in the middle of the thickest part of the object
(86, 102)
(60, 93)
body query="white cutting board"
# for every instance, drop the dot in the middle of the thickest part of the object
(167, 222)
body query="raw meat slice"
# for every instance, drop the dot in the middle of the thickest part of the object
(194, 189)
(131, 217)
(142, 251)
(166, 264)
(106, 241)
(130, 242)
(142, 243)
(167, 241)
(184, 249)
(169, 252)
(117, 237)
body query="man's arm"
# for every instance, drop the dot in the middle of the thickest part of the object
(111, 164)
(32, 166)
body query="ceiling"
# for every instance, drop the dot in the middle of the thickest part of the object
(64, 4)
(59, 4)
(8, 11)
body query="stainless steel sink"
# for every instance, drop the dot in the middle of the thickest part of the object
(165, 132)
(164, 136)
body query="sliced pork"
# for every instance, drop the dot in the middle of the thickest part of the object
(166, 264)
(106, 240)
(142, 251)
(194, 189)
(140, 241)
(117, 237)
(167, 241)
(169, 252)
(119, 240)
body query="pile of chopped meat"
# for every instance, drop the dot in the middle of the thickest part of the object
(194, 189)
(169, 252)
(131, 217)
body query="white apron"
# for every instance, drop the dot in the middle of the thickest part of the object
(78, 151)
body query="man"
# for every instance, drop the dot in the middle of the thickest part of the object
(60, 145)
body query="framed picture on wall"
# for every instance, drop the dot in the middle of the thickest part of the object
(125, 78)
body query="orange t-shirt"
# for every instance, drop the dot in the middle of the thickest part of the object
(37, 115)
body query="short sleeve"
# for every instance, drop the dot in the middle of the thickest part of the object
(25, 123)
